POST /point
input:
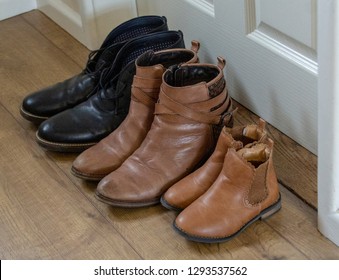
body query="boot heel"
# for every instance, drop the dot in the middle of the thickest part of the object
(271, 210)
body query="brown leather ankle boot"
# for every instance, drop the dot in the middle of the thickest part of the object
(184, 192)
(193, 106)
(245, 191)
(106, 156)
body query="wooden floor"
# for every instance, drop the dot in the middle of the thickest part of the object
(46, 213)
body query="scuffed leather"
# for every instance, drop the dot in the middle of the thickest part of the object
(61, 96)
(225, 208)
(177, 143)
(191, 187)
(54, 99)
(106, 156)
(86, 124)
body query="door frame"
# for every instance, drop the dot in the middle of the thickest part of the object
(328, 119)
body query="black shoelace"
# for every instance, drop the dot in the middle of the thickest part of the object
(110, 89)
(91, 62)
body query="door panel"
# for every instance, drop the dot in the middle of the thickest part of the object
(271, 69)
(283, 15)
(286, 27)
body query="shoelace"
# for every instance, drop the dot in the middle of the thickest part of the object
(90, 62)
(105, 84)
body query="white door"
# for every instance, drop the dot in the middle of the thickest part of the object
(270, 49)
(271, 52)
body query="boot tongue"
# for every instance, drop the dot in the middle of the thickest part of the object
(105, 58)
(255, 153)
(253, 132)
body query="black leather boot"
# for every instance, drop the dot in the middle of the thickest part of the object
(42, 104)
(78, 128)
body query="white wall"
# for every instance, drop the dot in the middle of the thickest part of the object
(10, 8)
(88, 21)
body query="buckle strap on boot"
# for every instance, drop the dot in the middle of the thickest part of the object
(145, 90)
(170, 106)
(227, 119)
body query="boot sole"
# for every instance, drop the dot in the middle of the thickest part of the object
(169, 206)
(31, 117)
(269, 211)
(125, 204)
(63, 147)
(87, 176)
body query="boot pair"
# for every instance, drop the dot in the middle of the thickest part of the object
(82, 110)
(235, 187)
(174, 121)
(103, 158)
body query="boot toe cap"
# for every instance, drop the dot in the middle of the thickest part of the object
(32, 105)
(66, 127)
(172, 200)
(87, 169)
(116, 190)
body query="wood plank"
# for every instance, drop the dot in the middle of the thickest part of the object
(156, 238)
(297, 222)
(74, 50)
(30, 62)
(290, 234)
(42, 214)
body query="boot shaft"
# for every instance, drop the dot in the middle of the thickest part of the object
(264, 187)
(151, 66)
(246, 190)
(196, 94)
(134, 28)
(252, 168)
(124, 32)
(193, 98)
(111, 152)
(190, 188)
(116, 81)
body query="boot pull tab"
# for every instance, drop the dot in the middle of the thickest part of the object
(256, 153)
(221, 62)
(195, 46)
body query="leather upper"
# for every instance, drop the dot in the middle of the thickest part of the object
(184, 192)
(49, 101)
(180, 138)
(110, 152)
(97, 117)
(230, 203)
